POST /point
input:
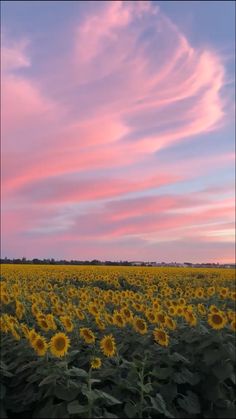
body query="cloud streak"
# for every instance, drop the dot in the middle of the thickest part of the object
(88, 126)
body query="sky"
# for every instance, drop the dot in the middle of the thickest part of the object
(117, 130)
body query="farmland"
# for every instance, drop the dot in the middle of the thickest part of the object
(111, 342)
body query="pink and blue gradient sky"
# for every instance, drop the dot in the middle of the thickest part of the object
(118, 130)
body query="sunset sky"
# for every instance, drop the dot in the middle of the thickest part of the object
(117, 130)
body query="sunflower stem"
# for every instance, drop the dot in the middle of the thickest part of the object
(141, 377)
(90, 404)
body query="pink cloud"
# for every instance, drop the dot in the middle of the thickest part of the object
(109, 104)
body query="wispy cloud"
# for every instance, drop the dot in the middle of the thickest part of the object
(129, 85)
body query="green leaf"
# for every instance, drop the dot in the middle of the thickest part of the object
(107, 397)
(130, 410)
(77, 372)
(233, 378)
(3, 413)
(179, 358)
(2, 391)
(190, 403)
(186, 376)
(211, 356)
(227, 413)
(158, 403)
(45, 412)
(94, 380)
(230, 350)
(146, 387)
(223, 371)
(169, 391)
(162, 373)
(75, 408)
(109, 415)
(64, 393)
(48, 380)
(74, 353)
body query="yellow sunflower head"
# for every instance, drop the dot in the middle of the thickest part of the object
(67, 323)
(201, 309)
(217, 320)
(96, 363)
(190, 318)
(151, 316)
(25, 330)
(108, 345)
(79, 314)
(161, 337)
(59, 344)
(118, 319)
(172, 311)
(40, 345)
(233, 325)
(170, 323)
(100, 324)
(43, 324)
(87, 335)
(127, 314)
(140, 325)
(161, 318)
(32, 336)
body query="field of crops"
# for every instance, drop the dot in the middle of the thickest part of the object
(112, 342)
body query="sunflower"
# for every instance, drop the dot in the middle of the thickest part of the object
(190, 318)
(156, 305)
(181, 301)
(233, 325)
(233, 295)
(118, 319)
(161, 318)
(100, 324)
(199, 293)
(108, 318)
(67, 323)
(224, 292)
(139, 325)
(127, 314)
(213, 309)
(231, 315)
(179, 311)
(87, 335)
(92, 309)
(79, 314)
(59, 344)
(172, 311)
(25, 330)
(161, 337)
(108, 345)
(43, 324)
(151, 316)
(51, 321)
(137, 306)
(15, 334)
(210, 291)
(201, 309)
(35, 310)
(96, 363)
(5, 298)
(217, 320)
(170, 323)
(40, 345)
(32, 336)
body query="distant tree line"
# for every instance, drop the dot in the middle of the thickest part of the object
(52, 261)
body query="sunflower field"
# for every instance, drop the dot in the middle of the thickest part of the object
(113, 342)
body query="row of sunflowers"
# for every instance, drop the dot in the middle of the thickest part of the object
(86, 341)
